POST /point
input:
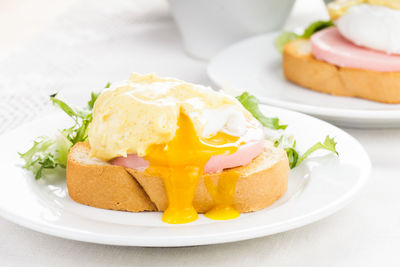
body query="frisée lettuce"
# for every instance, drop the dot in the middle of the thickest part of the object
(50, 152)
(288, 143)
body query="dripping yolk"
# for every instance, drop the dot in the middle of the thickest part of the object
(222, 194)
(180, 163)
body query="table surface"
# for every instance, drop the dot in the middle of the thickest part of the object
(43, 44)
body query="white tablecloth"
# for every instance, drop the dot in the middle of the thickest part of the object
(77, 46)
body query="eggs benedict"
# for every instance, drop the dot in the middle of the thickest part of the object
(358, 56)
(187, 148)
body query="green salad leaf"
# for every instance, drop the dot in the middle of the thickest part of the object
(250, 103)
(329, 144)
(49, 153)
(287, 143)
(314, 27)
(284, 38)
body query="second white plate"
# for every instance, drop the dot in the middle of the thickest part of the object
(254, 65)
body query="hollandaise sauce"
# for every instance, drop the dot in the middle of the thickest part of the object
(180, 163)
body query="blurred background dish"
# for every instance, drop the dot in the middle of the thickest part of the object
(260, 73)
(209, 25)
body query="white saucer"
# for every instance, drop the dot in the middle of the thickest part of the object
(317, 188)
(254, 65)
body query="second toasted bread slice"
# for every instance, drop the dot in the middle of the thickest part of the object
(300, 67)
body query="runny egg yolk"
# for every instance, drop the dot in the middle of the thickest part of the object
(180, 163)
(222, 194)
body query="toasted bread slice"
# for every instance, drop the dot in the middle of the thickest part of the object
(96, 183)
(300, 67)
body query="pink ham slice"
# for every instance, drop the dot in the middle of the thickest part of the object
(244, 155)
(131, 161)
(330, 46)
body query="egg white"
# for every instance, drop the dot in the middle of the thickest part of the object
(372, 26)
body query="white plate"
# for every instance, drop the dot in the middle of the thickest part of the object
(318, 188)
(255, 65)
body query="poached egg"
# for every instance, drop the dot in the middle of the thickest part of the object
(373, 26)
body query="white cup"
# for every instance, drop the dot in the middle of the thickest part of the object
(207, 26)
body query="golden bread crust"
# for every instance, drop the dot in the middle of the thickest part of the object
(103, 186)
(300, 67)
